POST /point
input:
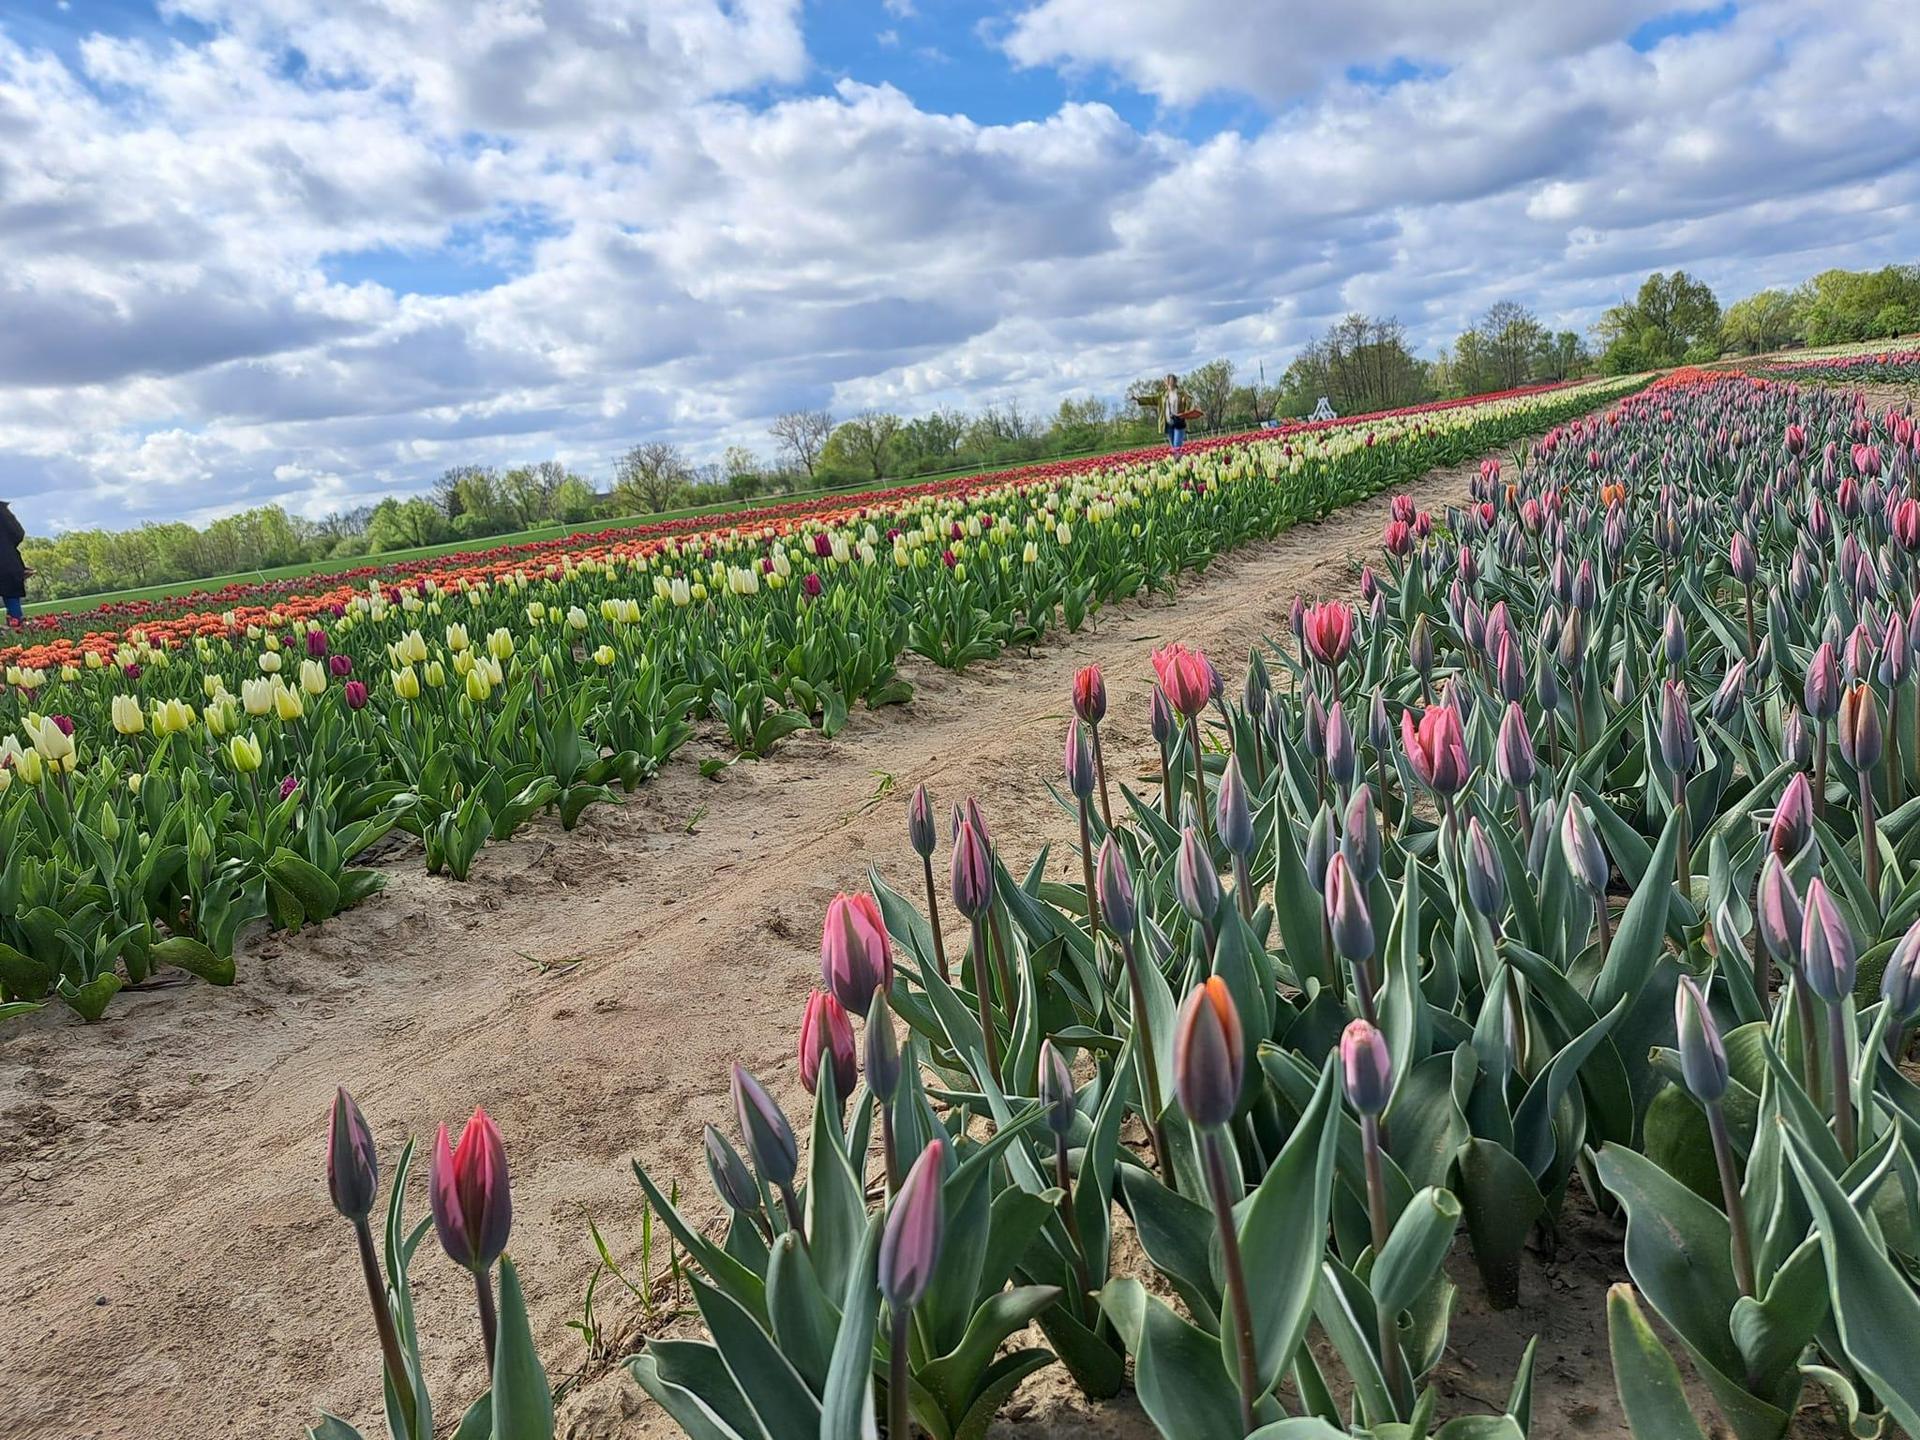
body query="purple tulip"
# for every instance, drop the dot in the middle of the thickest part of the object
(972, 873)
(353, 1166)
(1113, 884)
(920, 823)
(1366, 1066)
(1196, 884)
(729, 1174)
(916, 1226)
(1826, 945)
(1703, 1057)
(763, 1125)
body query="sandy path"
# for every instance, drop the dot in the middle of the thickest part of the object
(172, 1267)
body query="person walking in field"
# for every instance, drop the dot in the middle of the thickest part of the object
(1171, 418)
(13, 570)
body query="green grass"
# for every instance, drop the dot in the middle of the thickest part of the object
(540, 532)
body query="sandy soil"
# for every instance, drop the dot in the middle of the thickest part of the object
(172, 1267)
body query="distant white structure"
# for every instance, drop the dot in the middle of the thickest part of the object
(1323, 411)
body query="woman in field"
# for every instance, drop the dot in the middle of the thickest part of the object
(13, 570)
(1171, 420)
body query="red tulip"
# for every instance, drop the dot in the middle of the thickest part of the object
(827, 1033)
(856, 957)
(468, 1191)
(1436, 748)
(1329, 631)
(1090, 694)
(1186, 677)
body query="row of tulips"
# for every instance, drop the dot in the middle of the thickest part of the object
(1416, 1010)
(1895, 365)
(162, 790)
(102, 621)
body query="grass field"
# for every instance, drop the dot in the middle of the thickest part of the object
(522, 537)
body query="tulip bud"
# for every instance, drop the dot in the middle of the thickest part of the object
(1726, 699)
(1674, 640)
(1861, 740)
(731, 1178)
(1341, 759)
(1679, 745)
(1792, 827)
(920, 822)
(1366, 1066)
(1321, 843)
(1348, 919)
(1258, 689)
(1196, 884)
(1090, 694)
(1510, 676)
(1056, 1090)
(1546, 831)
(1160, 714)
(1826, 945)
(1379, 728)
(972, 873)
(1703, 1058)
(1360, 836)
(1585, 856)
(763, 1125)
(1208, 1051)
(826, 1033)
(353, 1166)
(1313, 724)
(1900, 981)
(1823, 684)
(883, 1050)
(856, 957)
(1782, 917)
(1486, 880)
(1420, 646)
(1114, 886)
(1740, 558)
(1079, 761)
(1546, 685)
(1513, 755)
(1233, 816)
(916, 1225)
(471, 1200)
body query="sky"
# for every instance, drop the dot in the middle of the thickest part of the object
(314, 252)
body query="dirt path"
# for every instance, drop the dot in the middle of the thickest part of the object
(171, 1266)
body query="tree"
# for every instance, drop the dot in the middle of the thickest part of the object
(1673, 318)
(447, 489)
(649, 478)
(1512, 335)
(405, 524)
(742, 472)
(867, 437)
(802, 435)
(1839, 305)
(1361, 364)
(1762, 321)
(1209, 388)
(1562, 356)
(1079, 424)
(573, 501)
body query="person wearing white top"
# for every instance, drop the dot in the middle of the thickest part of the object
(1170, 418)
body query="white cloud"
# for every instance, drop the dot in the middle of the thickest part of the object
(676, 241)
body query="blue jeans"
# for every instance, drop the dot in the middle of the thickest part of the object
(15, 609)
(1176, 436)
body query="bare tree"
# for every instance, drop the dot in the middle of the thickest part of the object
(868, 437)
(650, 477)
(802, 434)
(1210, 387)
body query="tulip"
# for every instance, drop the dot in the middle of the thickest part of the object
(1233, 815)
(353, 1180)
(1342, 764)
(920, 836)
(826, 1033)
(1350, 926)
(1900, 981)
(1196, 884)
(1588, 862)
(769, 1140)
(1827, 959)
(1486, 880)
(1208, 1052)
(884, 1072)
(1791, 829)
(1366, 1068)
(909, 1251)
(1090, 694)
(1186, 678)
(1436, 750)
(472, 1207)
(973, 896)
(355, 694)
(128, 718)
(244, 753)
(1862, 746)
(1327, 630)
(1703, 1066)
(1079, 763)
(1360, 837)
(731, 1179)
(1115, 884)
(856, 956)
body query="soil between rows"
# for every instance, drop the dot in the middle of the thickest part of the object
(172, 1267)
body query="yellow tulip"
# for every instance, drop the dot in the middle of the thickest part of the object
(436, 674)
(256, 696)
(456, 638)
(243, 753)
(54, 744)
(287, 703)
(500, 644)
(269, 662)
(406, 683)
(128, 718)
(604, 655)
(313, 677)
(478, 686)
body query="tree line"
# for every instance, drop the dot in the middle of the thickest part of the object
(1360, 363)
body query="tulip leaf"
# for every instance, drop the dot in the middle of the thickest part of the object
(1648, 1381)
(1299, 1427)
(1345, 1310)
(1874, 1305)
(1533, 1123)
(522, 1399)
(1176, 1234)
(772, 1388)
(1429, 1122)
(836, 1204)
(1003, 1377)
(954, 1378)
(332, 1427)
(1177, 1373)
(1636, 947)
(846, 1400)
(1501, 1202)
(1291, 1202)
(797, 1309)
(690, 1382)
(185, 953)
(1414, 1251)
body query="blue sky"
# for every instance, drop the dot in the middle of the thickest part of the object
(313, 252)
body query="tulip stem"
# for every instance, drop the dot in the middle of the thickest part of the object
(1820, 771)
(1809, 1040)
(1753, 647)
(1842, 1080)
(984, 990)
(796, 1219)
(1149, 1058)
(1869, 842)
(1894, 778)
(1683, 859)
(1730, 1192)
(899, 1426)
(1236, 1274)
(397, 1375)
(1243, 886)
(1100, 769)
(889, 1151)
(1063, 1175)
(1086, 871)
(1199, 783)
(489, 1318)
(1167, 806)
(933, 916)
(1392, 1358)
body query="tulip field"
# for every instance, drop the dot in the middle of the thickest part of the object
(176, 773)
(1576, 866)
(1897, 365)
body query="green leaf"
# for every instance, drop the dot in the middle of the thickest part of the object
(778, 1397)
(185, 953)
(319, 897)
(1502, 1202)
(1415, 1249)
(522, 1399)
(797, 1309)
(1177, 1373)
(688, 1381)
(955, 1376)
(1874, 1305)
(846, 1402)
(1644, 1374)
(91, 999)
(1642, 935)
